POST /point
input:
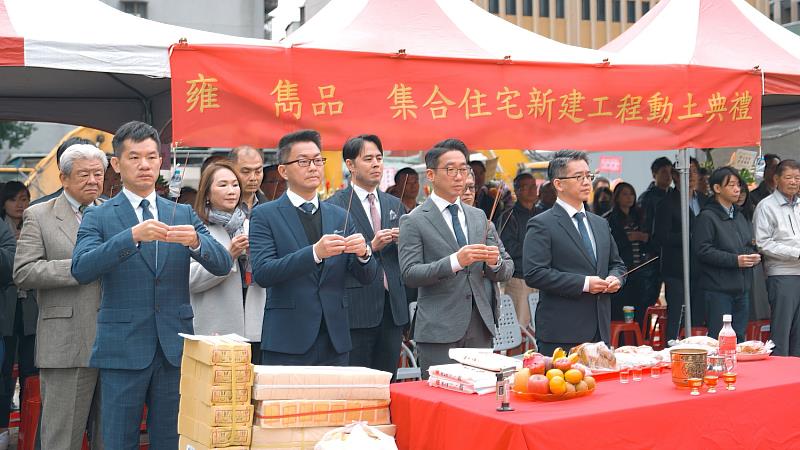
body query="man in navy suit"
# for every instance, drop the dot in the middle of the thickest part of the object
(139, 246)
(301, 251)
(377, 311)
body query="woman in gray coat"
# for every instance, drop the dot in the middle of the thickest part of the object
(232, 303)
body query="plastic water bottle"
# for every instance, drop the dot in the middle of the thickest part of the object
(727, 340)
(175, 183)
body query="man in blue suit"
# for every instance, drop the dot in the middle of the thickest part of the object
(379, 310)
(301, 251)
(139, 246)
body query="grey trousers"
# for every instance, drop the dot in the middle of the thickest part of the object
(784, 301)
(476, 336)
(68, 397)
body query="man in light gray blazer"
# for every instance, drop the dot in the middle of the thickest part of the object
(67, 311)
(446, 253)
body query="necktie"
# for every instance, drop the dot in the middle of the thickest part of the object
(587, 243)
(81, 210)
(460, 238)
(149, 249)
(307, 207)
(376, 226)
(146, 214)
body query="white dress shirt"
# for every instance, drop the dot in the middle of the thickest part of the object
(571, 213)
(442, 205)
(362, 196)
(136, 200)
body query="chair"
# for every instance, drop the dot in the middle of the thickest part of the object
(654, 328)
(508, 333)
(529, 330)
(758, 330)
(407, 368)
(631, 330)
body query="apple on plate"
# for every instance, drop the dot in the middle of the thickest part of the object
(538, 384)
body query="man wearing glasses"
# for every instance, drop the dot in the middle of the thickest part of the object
(570, 256)
(447, 252)
(301, 250)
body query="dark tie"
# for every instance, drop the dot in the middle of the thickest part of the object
(462, 241)
(376, 226)
(81, 210)
(145, 205)
(149, 249)
(307, 207)
(587, 243)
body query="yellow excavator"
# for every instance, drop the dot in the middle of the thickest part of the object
(43, 179)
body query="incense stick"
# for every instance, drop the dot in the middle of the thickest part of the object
(491, 215)
(402, 193)
(275, 190)
(640, 266)
(503, 226)
(349, 204)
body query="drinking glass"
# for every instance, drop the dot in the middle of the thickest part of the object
(624, 374)
(636, 372)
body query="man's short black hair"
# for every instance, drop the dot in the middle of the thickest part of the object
(287, 141)
(658, 163)
(518, 179)
(454, 144)
(404, 171)
(352, 148)
(558, 165)
(722, 176)
(67, 144)
(433, 155)
(135, 131)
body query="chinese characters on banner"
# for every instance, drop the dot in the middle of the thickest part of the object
(413, 102)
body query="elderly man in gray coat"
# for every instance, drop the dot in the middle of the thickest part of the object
(67, 311)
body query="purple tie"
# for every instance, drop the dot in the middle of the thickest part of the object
(376, 226)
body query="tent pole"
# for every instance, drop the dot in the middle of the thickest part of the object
(684, 193)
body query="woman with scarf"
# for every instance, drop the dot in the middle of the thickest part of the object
(232, 303)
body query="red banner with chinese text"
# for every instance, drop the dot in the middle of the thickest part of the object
(225, 96)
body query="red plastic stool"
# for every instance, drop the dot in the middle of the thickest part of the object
(758, 330)
(629, 329)
(31, 406)
(654, 328)
(696, 331)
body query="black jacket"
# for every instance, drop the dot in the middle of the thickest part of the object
(648, 202)
(616, 220)
(717, 241)
(667, 234)
(512, 226)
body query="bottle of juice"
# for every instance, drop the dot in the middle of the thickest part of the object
(727, 340)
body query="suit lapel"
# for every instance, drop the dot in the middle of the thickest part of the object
(329, 226)
(127, 216)
(289, 213)
(600, 242)
(358, 213)
(569, 226)
(475, 230)
(434, 216)
(387, 212)
(165, 215)
(67, 222)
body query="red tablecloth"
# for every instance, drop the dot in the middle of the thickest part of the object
(651, 414)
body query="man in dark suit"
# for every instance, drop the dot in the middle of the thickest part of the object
(448, 250)
(570, 256)
(301, 251)
(377, 311)
(139, 246)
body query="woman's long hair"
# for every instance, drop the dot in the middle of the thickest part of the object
(201, 203)
(8, 192)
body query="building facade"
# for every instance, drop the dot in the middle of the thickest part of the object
(593, 23)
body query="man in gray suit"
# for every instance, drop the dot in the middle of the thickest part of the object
(67, 311)
(446, 253)
(378, 311)
(570, 256)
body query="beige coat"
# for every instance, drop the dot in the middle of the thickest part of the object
(67, 311)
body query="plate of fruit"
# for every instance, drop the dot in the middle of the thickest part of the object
(555, 378)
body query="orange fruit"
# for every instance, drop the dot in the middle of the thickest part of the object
(554, 373)
(521, 380)
(557, 385)
(573, 376)
(590, 383)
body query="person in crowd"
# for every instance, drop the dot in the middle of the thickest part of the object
(745, 202)
(8, 295)
(722, 239)
(211, 160)
(231, 303)
(667, 236)
(547, 198)
(19, 311)
(599, 183)
(482, 198)
(249, 164)
(409, 178)
(139, 246)
(512, 226)
(273, 185)
(601, 201)
(301, 250)
(188, 195)
(777, 228)
(377, 311)
(447, 250)
(112, 183)
(703, 187)
(68, 311)
(576, 274)
(626, 220)
(468, 197)
(767, 185)
(661, 169)
(60, 151)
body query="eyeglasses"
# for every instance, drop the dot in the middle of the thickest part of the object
(469, 188)
(452, 171)
(580, 178)
(319, 162)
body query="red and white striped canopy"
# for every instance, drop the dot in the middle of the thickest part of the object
(717, 33)
(434, 28)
